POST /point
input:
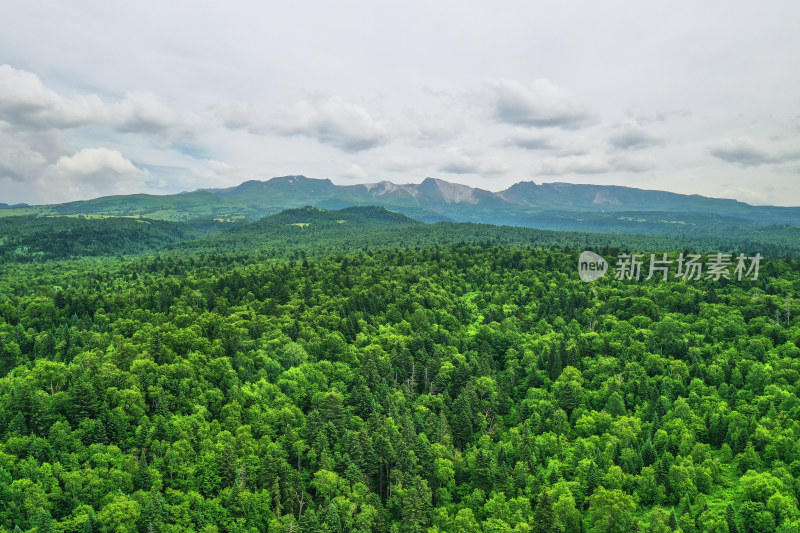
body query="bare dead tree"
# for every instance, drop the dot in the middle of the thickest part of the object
(301, 502)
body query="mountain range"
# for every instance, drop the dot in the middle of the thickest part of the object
(560, 206)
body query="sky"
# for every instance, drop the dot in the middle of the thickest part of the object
(100, 98)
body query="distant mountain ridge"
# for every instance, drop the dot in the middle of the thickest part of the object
(603, 208)
(438, 192)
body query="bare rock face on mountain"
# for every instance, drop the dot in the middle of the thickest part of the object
(605, 198)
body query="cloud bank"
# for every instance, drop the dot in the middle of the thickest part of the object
(605, 94)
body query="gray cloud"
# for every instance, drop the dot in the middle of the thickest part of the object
(643, 116)
(17, 158)
(241, 116)
(744, 152)
(634, 138)
(530, 141)
(633, 164)
(143, 112)
(542, 105)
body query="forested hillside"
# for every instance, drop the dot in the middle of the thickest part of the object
(464, 388)
(36, 239)
(309, 231)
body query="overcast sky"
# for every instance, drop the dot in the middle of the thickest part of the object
(101, 98)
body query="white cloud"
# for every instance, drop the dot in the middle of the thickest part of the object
(354, 172)
(91, 172)
(26, 103)
(94, 160)
(578, 164)
(332, 121)
(39, 128)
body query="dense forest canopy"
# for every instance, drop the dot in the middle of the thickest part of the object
(320, 232)
(445, 386)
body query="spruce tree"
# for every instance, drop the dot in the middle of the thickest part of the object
(44, 522)
(544, 519)
(142, 478)
(730, 517)
(18, 424)
(673, 520)
(462, 421)
(89, 525)
(648, 453)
